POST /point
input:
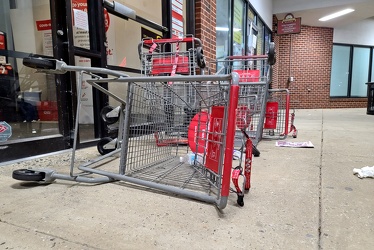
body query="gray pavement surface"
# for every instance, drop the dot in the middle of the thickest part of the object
(301, 198)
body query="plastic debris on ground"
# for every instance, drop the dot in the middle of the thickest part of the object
(307, 144)
(364, 172)
(236, 155)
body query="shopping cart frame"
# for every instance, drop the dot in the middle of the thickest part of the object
(50, 175)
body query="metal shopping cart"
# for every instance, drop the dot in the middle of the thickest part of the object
(171, 56)
(279, 122)
(174, 56)
(254, 80)
(163, 57)
(141, 161)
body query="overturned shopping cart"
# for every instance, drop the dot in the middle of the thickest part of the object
(141, 161)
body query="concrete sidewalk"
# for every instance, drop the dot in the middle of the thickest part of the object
(301, 198)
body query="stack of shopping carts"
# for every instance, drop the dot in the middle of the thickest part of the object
(187, 113)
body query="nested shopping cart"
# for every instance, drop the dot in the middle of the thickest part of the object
(279, 121)
(140, 160)
(162, 57)
(254, 80)
(170, 57)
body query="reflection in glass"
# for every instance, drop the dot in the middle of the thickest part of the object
(27, 99)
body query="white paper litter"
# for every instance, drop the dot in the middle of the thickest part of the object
(364, 172)
(307, 144)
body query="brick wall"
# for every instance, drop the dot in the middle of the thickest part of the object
(307, 57)
(205, 26)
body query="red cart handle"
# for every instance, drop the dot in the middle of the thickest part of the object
(247, 57)
(172, 40)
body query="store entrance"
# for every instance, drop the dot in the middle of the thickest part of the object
(101, 34)
(38, 110)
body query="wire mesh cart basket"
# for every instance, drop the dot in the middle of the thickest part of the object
(254, 79)
(279, 122)
(174, 56)
(171, 56)
(162, 57)
(206, 176)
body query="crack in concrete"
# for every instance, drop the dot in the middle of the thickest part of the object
(48, 234)
(320, 189)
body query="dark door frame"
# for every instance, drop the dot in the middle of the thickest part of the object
(62, 29)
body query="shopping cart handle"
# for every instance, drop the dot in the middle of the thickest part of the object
(246, 57)
(172, 40)
(39, 63)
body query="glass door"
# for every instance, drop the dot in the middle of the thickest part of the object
(29, 112)
(95, 33)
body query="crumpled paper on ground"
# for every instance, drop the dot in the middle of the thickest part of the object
(364, 172)
(306, 144)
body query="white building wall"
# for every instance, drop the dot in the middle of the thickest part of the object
(360, 33)
(265, 9)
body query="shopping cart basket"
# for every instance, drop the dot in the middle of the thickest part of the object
(279, 122)
(171, 56)
(174, 56)
(254, 80)
(210, 135)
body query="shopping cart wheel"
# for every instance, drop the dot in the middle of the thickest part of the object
(109, 120)
(102, 143)
(28, 175)
(240, 200)
(39, 63)
(255, 151)
(200, 57)
(271, 54)
(294, 134)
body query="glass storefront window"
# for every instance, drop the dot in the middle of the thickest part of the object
(260, 38)
(372, 67)
(360, 71)
(251, 32)
(27, 99)
(339, 70)
(238, 26)
(222, 30)
(122, 48)
(349, 71)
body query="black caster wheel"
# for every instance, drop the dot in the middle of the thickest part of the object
(102, 143)
(255, 151)
(28, 175)
(109, 120)
(240, 200)
(294, 134)
(271, 54)
(200, 57)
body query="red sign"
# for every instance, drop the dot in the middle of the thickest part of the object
(2, 40)
(107, 20)
(197, 132)
(43, 25)
(215, 138)
(289, 25)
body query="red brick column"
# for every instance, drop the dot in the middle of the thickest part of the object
(205, 27)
